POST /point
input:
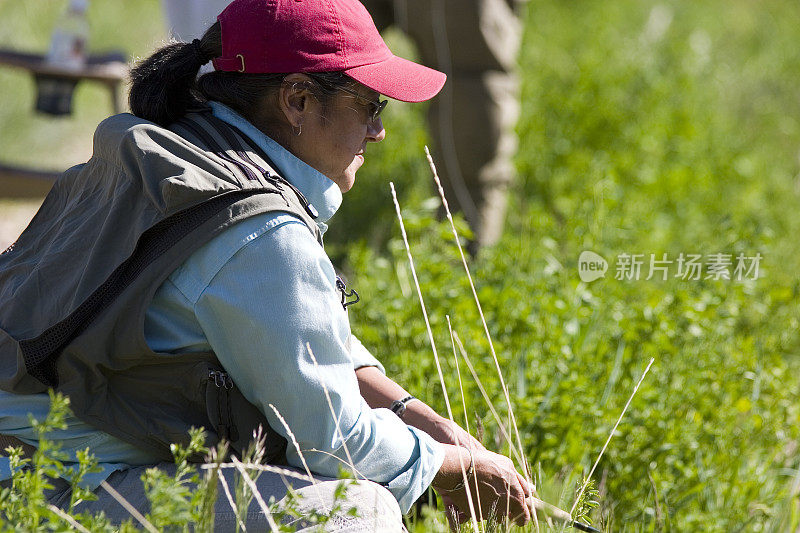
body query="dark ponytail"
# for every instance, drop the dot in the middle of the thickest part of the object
(165, 85)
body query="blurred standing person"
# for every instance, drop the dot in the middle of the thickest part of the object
(474, 42)
(189, 19)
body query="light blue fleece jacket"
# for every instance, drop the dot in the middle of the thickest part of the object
(256, 295)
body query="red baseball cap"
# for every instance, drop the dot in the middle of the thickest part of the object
(274, 36)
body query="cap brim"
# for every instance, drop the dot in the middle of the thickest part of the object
(400, 79)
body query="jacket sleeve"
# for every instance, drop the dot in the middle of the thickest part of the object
(261, 309)
(363, 357)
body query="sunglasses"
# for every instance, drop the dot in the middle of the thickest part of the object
(375, 106)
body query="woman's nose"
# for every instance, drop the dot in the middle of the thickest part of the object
(375, 131)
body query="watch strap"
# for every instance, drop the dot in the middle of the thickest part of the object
(398, 407)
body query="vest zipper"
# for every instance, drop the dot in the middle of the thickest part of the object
(224, 383)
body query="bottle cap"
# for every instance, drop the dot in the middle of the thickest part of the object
(79, 6)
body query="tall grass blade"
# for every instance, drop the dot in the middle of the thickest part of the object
(334, 456)
(64, 516)
(256, 493)
(464, 405)
(610, 435)
(299, 451)
(497, 418)
(227, 490)
(433, 345)
(128, 507)
(294, 443)
(523, 464)
(503, 430)
(263, 468)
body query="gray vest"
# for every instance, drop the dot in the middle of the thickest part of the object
(75, 287)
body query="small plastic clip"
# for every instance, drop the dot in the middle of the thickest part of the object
(345, 293)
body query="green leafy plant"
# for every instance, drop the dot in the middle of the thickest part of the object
(24, 504)
(587, 500)
(188, 495)
(183, 500)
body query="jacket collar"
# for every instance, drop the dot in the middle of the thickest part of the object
(320, 190)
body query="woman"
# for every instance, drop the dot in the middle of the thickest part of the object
(191, 285)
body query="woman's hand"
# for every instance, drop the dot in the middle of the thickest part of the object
(500, 486)
(498, 482)
(448, 432)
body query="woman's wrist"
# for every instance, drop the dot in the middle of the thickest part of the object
(450, 476)
(466, 473)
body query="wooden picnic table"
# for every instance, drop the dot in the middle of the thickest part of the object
(109, 70)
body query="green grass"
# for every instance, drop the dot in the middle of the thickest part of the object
(632, 140)
(631, 143)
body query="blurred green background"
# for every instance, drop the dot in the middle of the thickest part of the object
(646, 128)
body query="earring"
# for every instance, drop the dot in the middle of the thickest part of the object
(299, 130)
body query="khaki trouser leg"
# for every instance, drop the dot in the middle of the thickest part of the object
(475, 42)
(377, 510)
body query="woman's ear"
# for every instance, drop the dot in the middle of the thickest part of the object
(295, 99)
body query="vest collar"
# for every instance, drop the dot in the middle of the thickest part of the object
(320, 190)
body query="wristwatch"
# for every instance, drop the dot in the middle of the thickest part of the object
(399, 406)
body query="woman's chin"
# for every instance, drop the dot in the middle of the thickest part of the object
(348, 177)
(347, 185)
(345, 181)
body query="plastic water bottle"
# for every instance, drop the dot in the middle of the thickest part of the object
(68, 43)
(67, 51)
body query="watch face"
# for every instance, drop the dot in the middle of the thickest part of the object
(398, 408)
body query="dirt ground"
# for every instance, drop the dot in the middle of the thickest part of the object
(14, 217)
